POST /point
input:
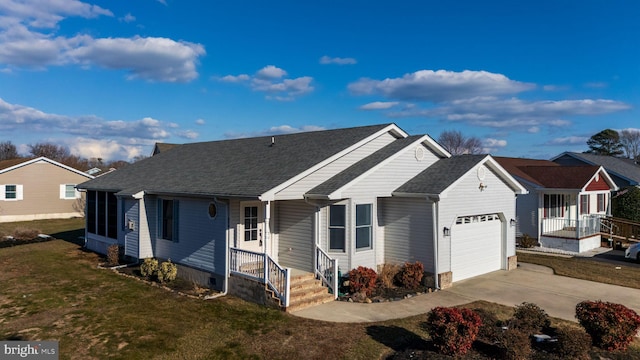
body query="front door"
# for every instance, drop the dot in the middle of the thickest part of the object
(251, 232)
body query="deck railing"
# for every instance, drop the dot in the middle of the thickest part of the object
(262, 268)
(571, 229)
(327, 270)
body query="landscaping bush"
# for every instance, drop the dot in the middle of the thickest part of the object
(611, 326)
(387, 275)
(167, 272)
(113, 255)
(514, 344)
(362, 279)
(411, 275)
(149, 267)
(452, 330)
(527, 242)
(529, 318)
(572, 343)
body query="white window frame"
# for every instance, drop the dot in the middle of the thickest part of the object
(64, 195)
(369, 245)
(19, 192)
(342, 227)
(602, 200)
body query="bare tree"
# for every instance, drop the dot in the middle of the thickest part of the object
(458, 144)
(630, 140)
(52, 151)
(8, 151)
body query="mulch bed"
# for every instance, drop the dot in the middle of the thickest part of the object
(179, 285)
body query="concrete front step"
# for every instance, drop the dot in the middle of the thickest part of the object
(308, 301)
(307, 291)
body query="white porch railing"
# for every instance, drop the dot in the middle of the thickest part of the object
(571, 229)
(262, 268)
(327, 270)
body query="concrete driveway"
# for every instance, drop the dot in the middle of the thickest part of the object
(557, 295)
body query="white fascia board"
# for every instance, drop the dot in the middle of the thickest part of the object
(518, 188)
(435, 197)
(138, 195)
(338, 193)
(436, 147)
(270, 194)
(42, 158)
(603, 176)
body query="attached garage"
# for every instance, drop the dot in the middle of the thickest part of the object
(476, 245)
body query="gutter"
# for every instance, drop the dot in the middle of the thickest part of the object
(434, 212)
(227, 275)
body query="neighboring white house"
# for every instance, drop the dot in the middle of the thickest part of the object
(564, 204)
(39, 188)
(316, 202)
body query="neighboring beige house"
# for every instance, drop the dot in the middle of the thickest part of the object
(40, 188)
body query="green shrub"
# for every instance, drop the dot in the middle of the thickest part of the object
(572, 343)
(411, 275)
(113, 254)
(362, 279)
(149, 267)
(611, 326)
(167, 272)
(527, 242)
(514, 344)
(452, 330)
(529, 318)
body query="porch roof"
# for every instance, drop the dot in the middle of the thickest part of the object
(624, 168)
(239, 167)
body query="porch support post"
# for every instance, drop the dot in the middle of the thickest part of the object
(267, 239)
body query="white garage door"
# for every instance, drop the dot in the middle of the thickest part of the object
(476, 246)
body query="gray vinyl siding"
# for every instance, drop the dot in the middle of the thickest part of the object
(131, 237)
(527, 213)
(296, 190)
(388, 177)
(465, 198)
(408, 230)
(295, 234)
(201, 239)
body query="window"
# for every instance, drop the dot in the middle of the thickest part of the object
(363, 226)
(584, 204)
(102, 213)
(337, 221)
(553, 205)
(250, 223)
(10, 192)
(602, 202)
(67, 191)
(169, 219)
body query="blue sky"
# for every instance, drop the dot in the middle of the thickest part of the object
(110, 78)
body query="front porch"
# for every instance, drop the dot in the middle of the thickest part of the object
(571, 235)
(261, 279)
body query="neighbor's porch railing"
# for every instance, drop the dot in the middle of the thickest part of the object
(571, 229)
(262, 268)
(327, 271)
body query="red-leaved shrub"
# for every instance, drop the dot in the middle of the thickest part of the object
(411, 275)
(452, 330)
(611, 326)
(362, 279)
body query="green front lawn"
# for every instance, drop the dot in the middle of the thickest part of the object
(54, 290)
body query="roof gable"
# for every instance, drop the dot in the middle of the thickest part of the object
(12, 164)
(626, 169)
(240, 167)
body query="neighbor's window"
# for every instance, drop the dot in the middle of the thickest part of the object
(169, 219)
(67, 191)
(337, 221)
(250, 223)
(11, 192)
(553, 205)
(584, 204)
(363, 226)
(602, 202)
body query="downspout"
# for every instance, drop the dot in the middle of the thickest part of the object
(434, 214)
(227, 275)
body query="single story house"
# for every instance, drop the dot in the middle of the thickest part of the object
(319, 202)
(39, 188)
(564, 204)
(625, 172)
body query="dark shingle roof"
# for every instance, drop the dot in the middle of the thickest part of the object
(162, 147)
(625, 168)
(357, 169)
(439, 176)
(239, 167)
(513, 166)
(548, 174)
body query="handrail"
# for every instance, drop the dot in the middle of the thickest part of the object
(261, 267)
(573, 229)
(279, 279)
(327, 270)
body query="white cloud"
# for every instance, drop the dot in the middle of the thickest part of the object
(493, 143)
(325, 60)
(200, 122)
(270, 80)
(28, 39)
(596, 85)
(128, 18)
(274, 130)
(188, 134)
(102, 148)
(379, 105)
(440, 86)
(568, 140)
(533, 130)
(270, 72)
